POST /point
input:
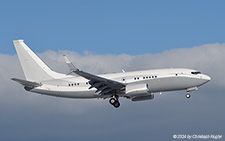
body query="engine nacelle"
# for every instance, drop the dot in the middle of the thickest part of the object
(138, 92)
(141, 98)
(133, 90)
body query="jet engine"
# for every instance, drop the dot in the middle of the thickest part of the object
(138, 92)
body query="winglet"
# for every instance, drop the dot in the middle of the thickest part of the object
(70, 65)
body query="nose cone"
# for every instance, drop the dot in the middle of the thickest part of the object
(206, 78)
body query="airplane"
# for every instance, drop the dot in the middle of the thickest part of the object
(134, 85)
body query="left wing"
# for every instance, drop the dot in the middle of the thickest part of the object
(103, 85)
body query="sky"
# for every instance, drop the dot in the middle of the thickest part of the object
(108, 36)
(111, 27)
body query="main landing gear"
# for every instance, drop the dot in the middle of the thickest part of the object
(187, 95)
(115, 101)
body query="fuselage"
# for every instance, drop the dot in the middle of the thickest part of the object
(158, 80)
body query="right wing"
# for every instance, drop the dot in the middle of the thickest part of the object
(103, 85)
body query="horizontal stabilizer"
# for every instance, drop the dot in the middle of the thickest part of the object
(26, 83)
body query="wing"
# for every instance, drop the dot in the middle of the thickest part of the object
(26, 83)
(103, 85)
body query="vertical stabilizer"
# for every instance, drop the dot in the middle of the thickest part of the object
(33, 67)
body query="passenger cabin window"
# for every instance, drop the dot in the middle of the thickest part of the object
(195, 73)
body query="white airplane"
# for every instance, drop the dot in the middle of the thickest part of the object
(136, 85)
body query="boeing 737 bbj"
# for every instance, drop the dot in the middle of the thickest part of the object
(135, 85)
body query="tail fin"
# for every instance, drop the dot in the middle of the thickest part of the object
(33, 67)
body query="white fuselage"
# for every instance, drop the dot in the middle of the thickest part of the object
(158, 80)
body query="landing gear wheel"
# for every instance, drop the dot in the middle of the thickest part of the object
(187, 95)
(112, 101)
(116, 104)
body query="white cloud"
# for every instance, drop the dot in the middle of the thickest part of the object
(18, 104)
(207, 58)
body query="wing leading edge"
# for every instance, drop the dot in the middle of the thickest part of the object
(103, 85)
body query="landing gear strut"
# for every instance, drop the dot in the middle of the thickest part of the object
(187, 95)
(114, 101)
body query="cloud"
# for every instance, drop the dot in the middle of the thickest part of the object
(30, 116)
(207, 58)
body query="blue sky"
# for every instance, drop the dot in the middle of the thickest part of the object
(111, 27)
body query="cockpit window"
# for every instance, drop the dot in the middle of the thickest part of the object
(196, 72)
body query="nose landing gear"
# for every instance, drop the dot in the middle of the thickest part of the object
(115, 101)
(187, 95)
(189, 90)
